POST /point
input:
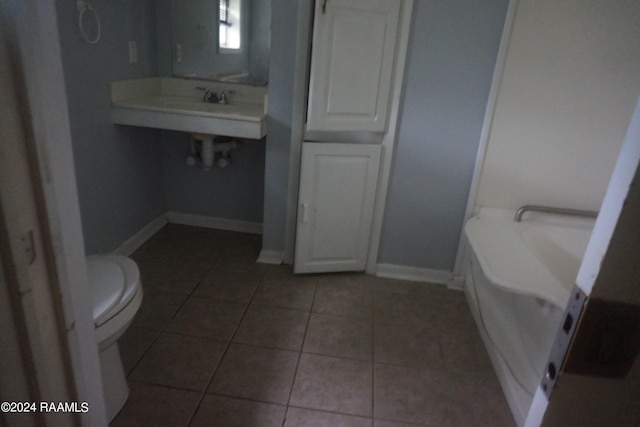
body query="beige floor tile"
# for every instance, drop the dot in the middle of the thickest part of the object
(246, 264)
(333, 384)
(401, 304)
(152, 405)
(221, 411)
(208, 318)
(179, 361)
(171, 277)
(272, 327)
(196, 256)
(298, 417)
(412, 345)
(229, 284)
(431, 368)
(339, 336)
(156, 248)
(464, 351)
(480, 402)
(451, 312)
(413, 395)
(383, 288)
(285, 272)
(179, 250)
(344, 295)
(133, 344)
(289, 293)
(255, 373)
(157, 309)
(384, 423)
(239, 250)
(145, 265)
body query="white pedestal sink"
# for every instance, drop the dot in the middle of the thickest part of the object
(176, 104)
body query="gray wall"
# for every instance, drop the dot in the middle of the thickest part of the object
(118, 168)
(235, 192)
(452, 52)
(260, 40)
(164, 37)
(284, 18)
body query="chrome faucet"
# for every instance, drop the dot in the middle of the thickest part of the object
(209, 96)
(213, 97)
(222, 97)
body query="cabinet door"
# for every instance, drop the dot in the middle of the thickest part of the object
(337, 192)
(351, 63)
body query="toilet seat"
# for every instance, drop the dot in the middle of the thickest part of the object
(113, 281)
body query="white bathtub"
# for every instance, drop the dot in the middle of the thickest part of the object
(517, 284)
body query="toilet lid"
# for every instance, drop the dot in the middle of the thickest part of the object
(107, 283)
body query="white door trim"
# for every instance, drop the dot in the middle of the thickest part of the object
(34, 29)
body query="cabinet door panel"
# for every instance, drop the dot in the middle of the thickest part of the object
(337, 192)
(351, 64)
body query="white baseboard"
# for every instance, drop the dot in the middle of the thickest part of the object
(456, 283)
(415, 274)
(135, 241)
(214, 222)
(270, 257)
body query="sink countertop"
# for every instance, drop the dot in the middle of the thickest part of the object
(234, 111)
(176, 104)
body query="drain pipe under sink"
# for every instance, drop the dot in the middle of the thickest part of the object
(205, 147)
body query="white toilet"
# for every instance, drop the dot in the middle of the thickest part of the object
(116, 292)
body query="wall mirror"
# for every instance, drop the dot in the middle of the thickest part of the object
(223, 40)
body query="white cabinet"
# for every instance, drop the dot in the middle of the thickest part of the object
(337, 191)
(357, 63)
(354, 44)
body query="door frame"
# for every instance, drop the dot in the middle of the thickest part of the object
(303, 53)
(31, 28)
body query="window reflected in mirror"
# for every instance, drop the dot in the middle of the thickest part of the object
(225, 40)
(230, 25)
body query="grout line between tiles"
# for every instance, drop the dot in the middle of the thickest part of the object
(130, 370)
(264, 274)
(331, 412)
(160, 332)
(163, 330)
(373, 355)
(353, 359)
(224, 353)
(246, 399)
(295, 375)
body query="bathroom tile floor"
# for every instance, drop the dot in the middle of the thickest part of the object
(223, 341)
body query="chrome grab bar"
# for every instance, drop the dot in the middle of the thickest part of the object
(553, 210)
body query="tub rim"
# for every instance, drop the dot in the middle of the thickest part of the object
(534, 278)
